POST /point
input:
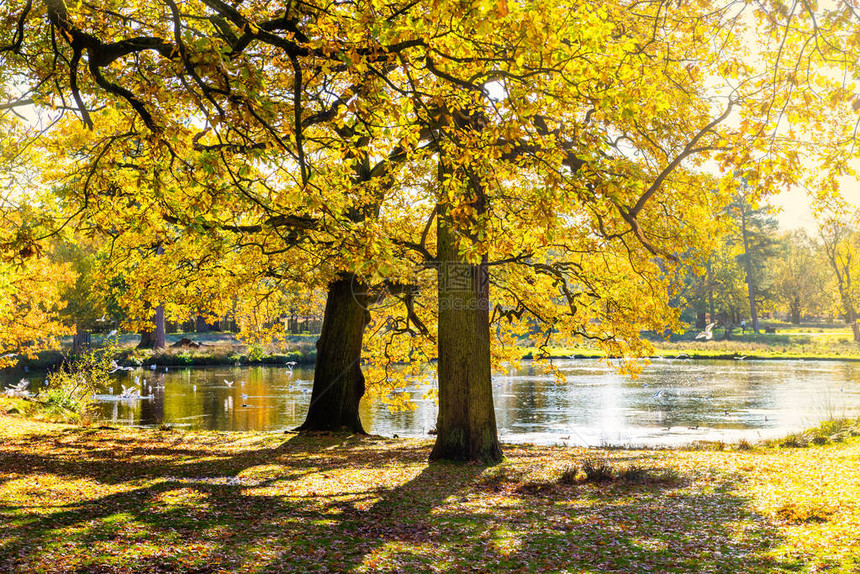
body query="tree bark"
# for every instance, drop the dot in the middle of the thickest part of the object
(201, 325)
(711, 294)
(155, 339)
(466, 424)
(81, 340)
(749, 271)
(795, 306)
(851, 316)
(338, 380)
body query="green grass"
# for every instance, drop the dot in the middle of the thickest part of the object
(217, 349)
(806, 342)
(817, 342)
(790, 341)
(77, 499)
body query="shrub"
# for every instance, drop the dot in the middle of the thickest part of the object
(796, 440)
(744, 444)
(71, 388)
(255, 353)
(597, 470)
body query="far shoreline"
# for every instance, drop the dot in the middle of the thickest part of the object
(46, 360)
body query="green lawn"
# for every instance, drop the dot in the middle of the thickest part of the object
(828, 344)
(216, 348)
(78, 499)
(792, 342)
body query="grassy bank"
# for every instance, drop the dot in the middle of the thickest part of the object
(213, 349)
(829, 344)
(805, 342)
(78, 499)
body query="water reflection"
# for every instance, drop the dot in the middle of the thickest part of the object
(672, 402)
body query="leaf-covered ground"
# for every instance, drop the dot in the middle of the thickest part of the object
(123, 500)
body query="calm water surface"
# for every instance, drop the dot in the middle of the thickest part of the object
(672, 402)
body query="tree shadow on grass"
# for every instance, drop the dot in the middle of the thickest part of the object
(442, 520)
(335, 504)
(110, 459)
(196, 494)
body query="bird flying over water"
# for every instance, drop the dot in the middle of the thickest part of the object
(117, 367)
(707, 334)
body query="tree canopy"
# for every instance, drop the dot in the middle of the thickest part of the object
(542, 167)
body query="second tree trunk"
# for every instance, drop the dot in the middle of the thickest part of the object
(466, 425)
(338, 380)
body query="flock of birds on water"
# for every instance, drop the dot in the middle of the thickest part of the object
(141, 386)
(136, 392)
(22, 389)
(141, 390)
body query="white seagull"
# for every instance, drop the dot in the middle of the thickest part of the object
(707, 334)
(20, 390)
(117, 367)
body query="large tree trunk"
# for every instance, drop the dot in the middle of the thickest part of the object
(155, 339)
(466, 425)
(338, 380)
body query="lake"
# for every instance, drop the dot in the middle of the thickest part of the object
(672, 402)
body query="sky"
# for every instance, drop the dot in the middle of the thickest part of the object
(796, 209)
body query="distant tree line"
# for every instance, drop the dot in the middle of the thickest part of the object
(755, 270)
